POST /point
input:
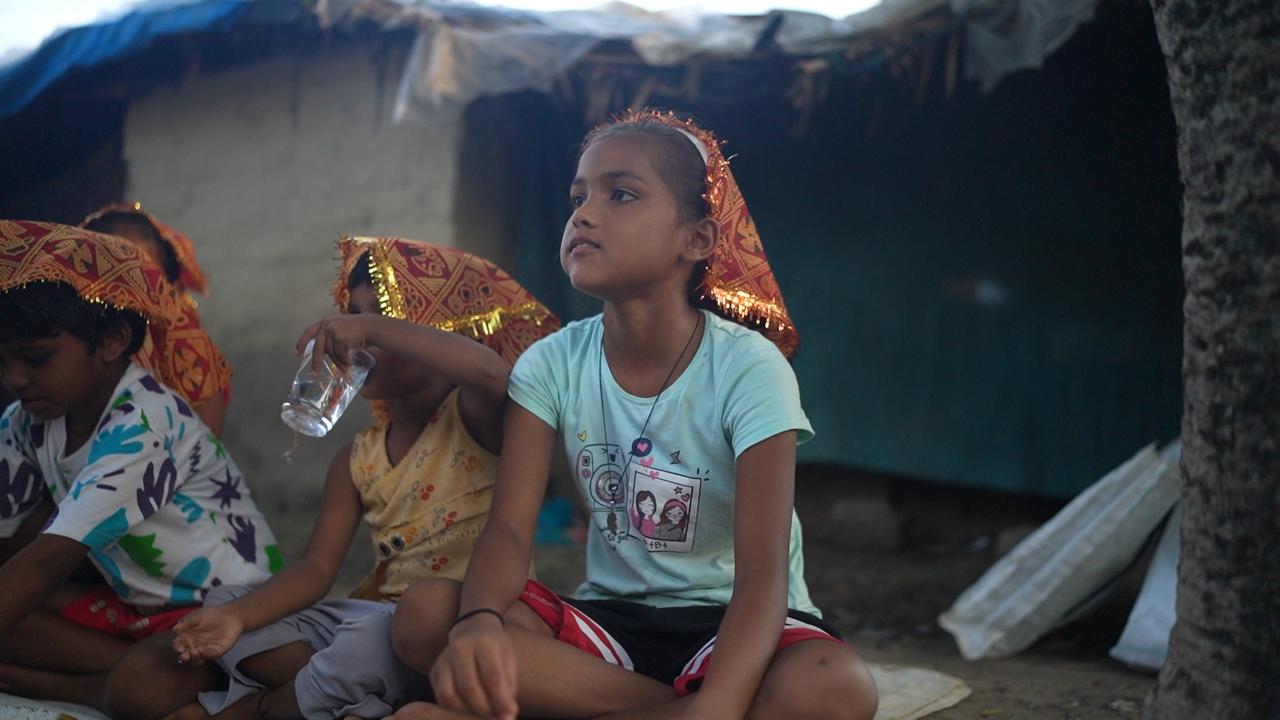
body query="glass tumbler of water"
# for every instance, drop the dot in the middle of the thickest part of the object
(318, 398)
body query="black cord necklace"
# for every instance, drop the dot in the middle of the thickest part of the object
(604, 415)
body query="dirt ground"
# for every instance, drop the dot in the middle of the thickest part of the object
(887, 603)
(884, 558)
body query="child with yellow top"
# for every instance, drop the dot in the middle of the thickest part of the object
(421, 477)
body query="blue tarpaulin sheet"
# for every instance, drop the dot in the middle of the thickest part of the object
(92, 45)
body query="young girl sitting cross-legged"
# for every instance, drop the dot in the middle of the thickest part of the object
(680, 420)
(421, 477)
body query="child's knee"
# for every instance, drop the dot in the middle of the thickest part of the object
(168, 687)
(358, 673)
(126, 697)
(420, 627)
(819, 680)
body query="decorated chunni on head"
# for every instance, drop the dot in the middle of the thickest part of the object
(446, 288)
(738, 284)
(185, 358)
(100, 268)
(111, 270)
(190, 276)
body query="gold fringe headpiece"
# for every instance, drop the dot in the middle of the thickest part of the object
(110, 270)
(100, 268)
(448, 289)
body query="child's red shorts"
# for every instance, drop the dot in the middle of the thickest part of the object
(671, 645)
(100, 609)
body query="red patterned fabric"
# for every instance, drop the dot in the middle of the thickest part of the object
(448, 289)
(101, 268)
(185, 359)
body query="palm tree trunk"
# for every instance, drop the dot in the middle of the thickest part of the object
(1223, 58)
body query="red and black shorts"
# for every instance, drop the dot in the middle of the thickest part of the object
(670, 644)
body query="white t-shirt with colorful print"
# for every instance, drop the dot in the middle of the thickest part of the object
(662, 501)
(153, 494)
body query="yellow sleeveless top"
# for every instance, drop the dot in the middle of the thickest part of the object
(425, 512)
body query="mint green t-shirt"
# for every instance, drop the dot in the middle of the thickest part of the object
(662, 502)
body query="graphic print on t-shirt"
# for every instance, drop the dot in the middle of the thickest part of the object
(664, 508)
(599, 470)
(655, 506)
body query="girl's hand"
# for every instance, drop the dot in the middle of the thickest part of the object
(476, 673)
(206, 634)
(336, 336)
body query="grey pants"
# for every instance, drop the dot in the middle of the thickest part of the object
(353, 671)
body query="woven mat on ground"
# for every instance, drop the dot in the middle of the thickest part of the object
(13, 707)
(906, 693)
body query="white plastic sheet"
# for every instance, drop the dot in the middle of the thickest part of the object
(1062, 564)
(1004, 36)
(465, 52)
(494, 50)
(1145, 640)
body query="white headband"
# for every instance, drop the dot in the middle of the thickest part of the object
(702, 149)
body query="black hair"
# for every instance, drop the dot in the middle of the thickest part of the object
(677, 161)
(118, 222)
(360, 273)
(41, 310)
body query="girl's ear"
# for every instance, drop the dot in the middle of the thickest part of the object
(706, 233)
(114, 342)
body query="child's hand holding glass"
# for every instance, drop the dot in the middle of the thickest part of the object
(338, 338)
(334, 366)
